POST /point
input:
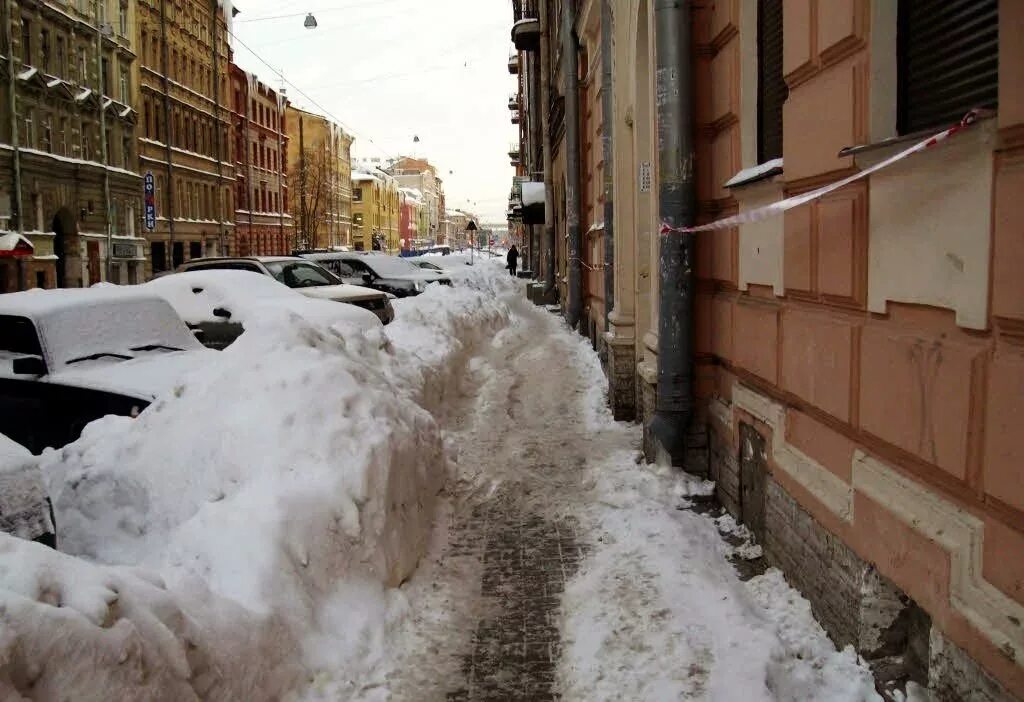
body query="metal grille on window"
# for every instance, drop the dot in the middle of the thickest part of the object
(948, 58)
(771, 87)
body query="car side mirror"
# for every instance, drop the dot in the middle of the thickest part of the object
(367, 278)
(221, 312)
(28, 365)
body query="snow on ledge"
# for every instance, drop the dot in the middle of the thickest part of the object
(759, 172)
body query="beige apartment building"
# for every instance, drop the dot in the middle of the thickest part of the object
(319, 181)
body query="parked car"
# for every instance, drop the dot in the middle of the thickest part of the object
(216, 304)
(304, 276)
(388, 274)
(68, 357)
(25, 508)
(426, 265)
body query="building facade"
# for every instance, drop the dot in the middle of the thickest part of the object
(376, 211)
(263, 227)
(320, 184)
(69, 178)
(185, 130)
(421, 175)
(856, 367)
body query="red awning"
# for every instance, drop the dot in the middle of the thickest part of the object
(15, 245)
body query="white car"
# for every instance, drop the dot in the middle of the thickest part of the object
(306, 277)
(217, 304)
(68, 357)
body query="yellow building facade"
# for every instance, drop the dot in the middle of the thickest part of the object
(319, 181)
(376, 209)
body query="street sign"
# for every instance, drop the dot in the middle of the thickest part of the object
(150, 198)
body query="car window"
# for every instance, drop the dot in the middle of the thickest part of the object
(226, 266)
(18, 335)
(358, 267)
(300, 274)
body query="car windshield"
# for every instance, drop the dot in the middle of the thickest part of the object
(300, 274)
(18, 336)
(385, 266)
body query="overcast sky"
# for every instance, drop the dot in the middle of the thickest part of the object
(391, 70)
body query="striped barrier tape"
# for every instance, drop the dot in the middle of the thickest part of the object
(777, 208)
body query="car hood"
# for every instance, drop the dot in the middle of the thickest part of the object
(145, 378)
(341, 293)
(424, 277)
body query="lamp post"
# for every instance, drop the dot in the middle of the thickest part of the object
(471, 233)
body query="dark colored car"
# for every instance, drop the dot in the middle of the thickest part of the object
(388, 274)
(69, 357)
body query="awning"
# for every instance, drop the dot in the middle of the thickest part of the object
(15, 245)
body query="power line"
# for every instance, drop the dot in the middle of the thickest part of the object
(375, 3)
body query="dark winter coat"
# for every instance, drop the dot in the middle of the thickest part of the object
(513, 256)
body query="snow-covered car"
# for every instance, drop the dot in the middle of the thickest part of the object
(388, 274)
(68, 357)
(25, 508)
(426, 265)
(308, 278)
(218, 303)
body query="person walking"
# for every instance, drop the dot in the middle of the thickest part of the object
(513, 260)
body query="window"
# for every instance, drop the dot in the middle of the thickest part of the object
(63, 136)
(44, 50)
(357, 219)
(122, 19)
(125, 87)
(126, 152)
(28, 134)
(771, 88)
(158, 256)
(947, 61)
(178, 254)
(104, 76)
(101, 12)
(47, 134)
(357, 194)
(61, 66)
(82, 70)
(26, 41)
(195, 249)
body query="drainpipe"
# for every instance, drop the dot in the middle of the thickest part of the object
(164, 68)
(609, 159)
(674, 407)
(104, 146)
(214, 12)
(549, 198)
(574, 308)
(250, 180)
(535, 147)
(12, 94)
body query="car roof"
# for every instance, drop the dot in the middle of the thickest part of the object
(38, 303)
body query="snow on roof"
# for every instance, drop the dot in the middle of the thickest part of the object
(533, 193)
(80, 322)
(758, 172)
(361, 177)
(27, 73)
(84, 94)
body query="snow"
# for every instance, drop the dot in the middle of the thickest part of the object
(533, 193)
(276, 527)
(250, 296)
(10, 241)
(249, 527)
(23, 509)
(362, 177)
(754, 173)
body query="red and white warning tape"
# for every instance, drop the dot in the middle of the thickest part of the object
(777, 208)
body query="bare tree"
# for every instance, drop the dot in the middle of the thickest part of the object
(310, 184)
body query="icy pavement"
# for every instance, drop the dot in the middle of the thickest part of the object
(567, 570)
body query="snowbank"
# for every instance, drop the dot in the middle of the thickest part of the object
(234, 537)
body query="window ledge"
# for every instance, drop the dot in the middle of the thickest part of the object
(764, 171)
(980, 116)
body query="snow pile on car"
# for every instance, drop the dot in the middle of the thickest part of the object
(230, 535)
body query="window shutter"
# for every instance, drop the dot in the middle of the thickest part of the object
(771, 87)
(948, 56)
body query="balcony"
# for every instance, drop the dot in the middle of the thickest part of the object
(513, 102)
(526, 34)
(513, 64)
(513, 151)
(515, 117)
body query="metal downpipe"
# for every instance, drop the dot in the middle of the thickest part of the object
(607, 106)
(570, 53)
(548, 263)
(676, 198)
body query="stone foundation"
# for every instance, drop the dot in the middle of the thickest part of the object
(648, 395)
(620, 367)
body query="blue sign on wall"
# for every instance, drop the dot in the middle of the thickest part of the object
(150, 198)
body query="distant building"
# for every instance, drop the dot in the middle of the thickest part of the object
(185, 132)
(263, 226)
(319, 180)
(65, 182)
(421, 175)
(376, 211)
